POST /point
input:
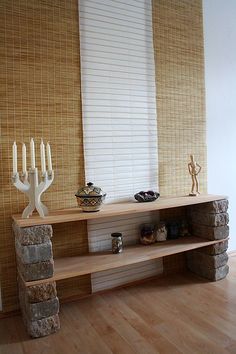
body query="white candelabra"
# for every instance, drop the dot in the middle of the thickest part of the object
(28, 181)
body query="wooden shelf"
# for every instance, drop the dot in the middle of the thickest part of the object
(109, 210)
(70, 267)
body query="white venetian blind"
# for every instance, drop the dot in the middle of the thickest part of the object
(119, 115)
(118, 96)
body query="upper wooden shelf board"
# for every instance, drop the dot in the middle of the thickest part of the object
(69, 267)
(109, 210)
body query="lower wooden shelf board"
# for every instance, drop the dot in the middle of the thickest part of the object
(69, 267)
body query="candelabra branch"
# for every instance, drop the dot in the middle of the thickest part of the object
(22, 186)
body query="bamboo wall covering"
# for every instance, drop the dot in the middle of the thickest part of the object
(179, 58)
(40, 97)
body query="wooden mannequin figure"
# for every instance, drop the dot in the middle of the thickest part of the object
(194, 169)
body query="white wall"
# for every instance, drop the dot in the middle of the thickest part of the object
(220, 75)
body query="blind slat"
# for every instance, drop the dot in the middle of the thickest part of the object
(119, 120)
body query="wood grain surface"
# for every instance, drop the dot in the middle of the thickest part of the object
(177, 314)
(116, 209)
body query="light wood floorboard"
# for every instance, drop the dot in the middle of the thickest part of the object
(177, 314)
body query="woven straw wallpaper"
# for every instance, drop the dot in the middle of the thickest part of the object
(179, 57)
(40, 97)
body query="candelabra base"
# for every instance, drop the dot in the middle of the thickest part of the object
(30, 186)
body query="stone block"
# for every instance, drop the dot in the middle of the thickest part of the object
(31, 313)
(33, 253)
(212, 274)
(39, 292)
(42, 309)
(207, 219)
(218, 206)
(207, 261)
(215, 249)
(210, 233)
(36, 271)
(43, 327)
(33, 235)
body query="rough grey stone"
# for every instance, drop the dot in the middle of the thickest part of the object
(39, 292)
(39, 303)
(42, 309)
(205, 260)
(36, 271)
(32, 235)
(215, 249)
(218, 206)
(22, 299)
(38, 310)
(43, 327)
(207, 219)
(208, 273)
(33, 253)
(210, 233)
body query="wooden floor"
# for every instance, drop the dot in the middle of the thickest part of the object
(178, 314)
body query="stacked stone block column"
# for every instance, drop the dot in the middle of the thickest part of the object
(39, 303)
(210, 221)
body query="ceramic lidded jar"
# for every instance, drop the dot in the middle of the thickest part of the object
(90, 197)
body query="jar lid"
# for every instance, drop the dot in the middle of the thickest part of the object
(116, 234)
(89, 190)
